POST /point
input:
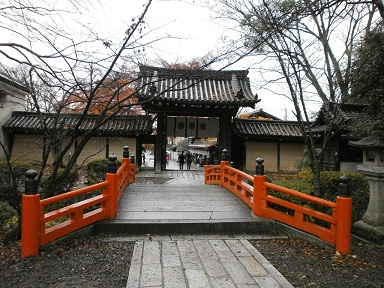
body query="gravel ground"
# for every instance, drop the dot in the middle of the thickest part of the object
(91, 262)
(81, 262)
(305, 264)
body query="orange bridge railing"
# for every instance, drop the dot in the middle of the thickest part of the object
(256, 193)
(89, 205)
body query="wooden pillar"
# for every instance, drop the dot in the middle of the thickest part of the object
(225, 133)
(160, 142)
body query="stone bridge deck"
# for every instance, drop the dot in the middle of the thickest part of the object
(179, 202)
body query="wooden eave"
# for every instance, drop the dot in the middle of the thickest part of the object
(29, 123)
(164, 89)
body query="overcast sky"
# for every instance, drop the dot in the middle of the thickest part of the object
(188, 30)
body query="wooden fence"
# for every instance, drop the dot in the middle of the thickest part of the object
(262, 198)
(89, 204)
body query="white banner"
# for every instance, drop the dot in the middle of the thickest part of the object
(191, 127)
(208, 128)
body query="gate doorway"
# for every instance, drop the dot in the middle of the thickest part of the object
(183, 99)
(146, 151)
(195, 137)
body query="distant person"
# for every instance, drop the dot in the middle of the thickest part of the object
(181, 160)
(167, 158)
(189, 160)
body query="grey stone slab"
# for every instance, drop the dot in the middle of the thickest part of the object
(174, 277)
(204, 249)
(249, 286)
(267, 281)
(225, 282)
(169, 248)
(171, 260)
(253, 267)
(188, 255)
(151, 252)
(238, 274)
(237, 248)
(151, 275)
(197, 278)
(156, 206)
(223, 251)
(164, 215)
(135, 268)
(231, 215)
(214, 268)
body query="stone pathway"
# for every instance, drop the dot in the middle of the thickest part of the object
(201, 263)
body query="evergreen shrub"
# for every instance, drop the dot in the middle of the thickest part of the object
(7, 188)
(96, 170)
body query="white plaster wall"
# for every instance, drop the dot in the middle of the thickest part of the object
(10, 103)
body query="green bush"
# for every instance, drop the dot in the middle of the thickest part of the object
(97, 169)
(329, 183)
(7, 213)
(7, 190)
(358, 187)
(66, 185)
(294, 185)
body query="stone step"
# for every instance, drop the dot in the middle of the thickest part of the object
(122, 227)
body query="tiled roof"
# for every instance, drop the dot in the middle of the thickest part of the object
(28, 122)
(351, 118)
(197, 87)
(14, 84)
(267, 129)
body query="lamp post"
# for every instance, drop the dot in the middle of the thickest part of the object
(372, 224)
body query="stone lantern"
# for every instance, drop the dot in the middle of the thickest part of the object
(372, 224)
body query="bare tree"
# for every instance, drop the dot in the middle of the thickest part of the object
(309, 53)
(59, 60)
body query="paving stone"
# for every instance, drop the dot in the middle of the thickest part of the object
(204, 249)
(238, 273)
(269, 282)
(253, 267)
(214, 268)
(223, 251)
(151, 252)
(197, 278)
(188, 255)
(151, 275)
(174, 277)
(222, 282)
(237, 248)
(135, 269)
(169, 248)
(171, 260)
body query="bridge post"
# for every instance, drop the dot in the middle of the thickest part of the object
(224, 162)
(30, 215)
(133, 169)
(126, 152)
(126, 161)
(111, 177)
(259, 190)
(344, 217)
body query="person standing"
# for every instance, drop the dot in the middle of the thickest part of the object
(181, 160)
(189, 160)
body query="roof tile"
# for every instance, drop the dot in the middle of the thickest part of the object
(196, 86)
(28, 122)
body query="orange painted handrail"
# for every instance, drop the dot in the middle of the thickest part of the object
(36, 232)
(254, 191)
